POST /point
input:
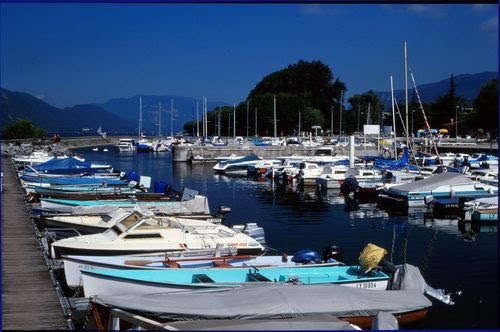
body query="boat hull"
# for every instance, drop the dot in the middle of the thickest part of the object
(112, 282)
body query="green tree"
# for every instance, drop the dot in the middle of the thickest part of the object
(486, 108)
(444, 108)
(304, 84)
(22, 129)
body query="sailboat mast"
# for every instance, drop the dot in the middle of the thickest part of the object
(234, 120)
(299, 123)
(172, 118)
(406, 96)
(159, 120)
(248, 105)
(197, 121)
(255, 121)
(218, 123)
(274, 103)
(140, 118)
(340, 126)
(393, 120)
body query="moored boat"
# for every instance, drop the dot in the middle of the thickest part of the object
(190, 259)
(109, 282)
(148, 235)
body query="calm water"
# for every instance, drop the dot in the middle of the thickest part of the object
(463, 263)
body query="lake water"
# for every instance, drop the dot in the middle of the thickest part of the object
(449, 255)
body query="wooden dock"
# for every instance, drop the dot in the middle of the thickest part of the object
(29, 293)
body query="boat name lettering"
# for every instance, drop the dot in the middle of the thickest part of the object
(368, 284)
(85, 267)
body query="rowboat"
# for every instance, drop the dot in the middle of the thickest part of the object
(189, 259)
(109, 282)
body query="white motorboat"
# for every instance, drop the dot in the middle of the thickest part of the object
(236, 166)
(126, 145)
(331, 177)
(149, 234)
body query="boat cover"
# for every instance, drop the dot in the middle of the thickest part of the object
(67, 181)
(197, 205)
(62, 164)
(433, 182)
(270, 302)
(315, 323)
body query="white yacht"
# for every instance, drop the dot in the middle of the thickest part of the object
(126, 145)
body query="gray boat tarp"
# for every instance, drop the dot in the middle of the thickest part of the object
(316, 323)
(197, 205)
(408, 276)
(275, 301)
(433, 182)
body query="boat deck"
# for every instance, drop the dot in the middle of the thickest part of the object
(29, 294)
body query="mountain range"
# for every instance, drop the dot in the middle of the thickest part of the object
(121, 115)
(467, 87)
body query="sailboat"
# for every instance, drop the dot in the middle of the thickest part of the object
(100, 132)
(143, 145)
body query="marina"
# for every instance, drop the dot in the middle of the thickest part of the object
(311, 215)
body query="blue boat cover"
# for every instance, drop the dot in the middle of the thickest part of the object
(57, 164)
(75, 181)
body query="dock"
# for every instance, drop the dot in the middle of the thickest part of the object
(30, 299)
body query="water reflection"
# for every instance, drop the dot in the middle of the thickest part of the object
(470, 230)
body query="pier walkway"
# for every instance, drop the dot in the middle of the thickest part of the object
(29, 294)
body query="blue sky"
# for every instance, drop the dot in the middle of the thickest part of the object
(69, 54)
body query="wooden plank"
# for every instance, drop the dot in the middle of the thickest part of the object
(29, 298)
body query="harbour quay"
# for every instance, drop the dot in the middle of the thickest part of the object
(192, 153)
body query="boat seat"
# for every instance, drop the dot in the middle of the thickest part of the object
(201, 278)
(256, 277)
(221, 264)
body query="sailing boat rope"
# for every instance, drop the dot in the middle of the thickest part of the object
(404, 128)
(423, 113)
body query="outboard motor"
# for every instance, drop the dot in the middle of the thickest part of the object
(333, 251)
(349, 185)
(306, 256)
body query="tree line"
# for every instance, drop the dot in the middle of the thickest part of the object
(307, 94)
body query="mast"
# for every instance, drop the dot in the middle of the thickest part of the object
(140, 118)
(218, 123)
(406, 96)
(255, 121)
(299, 123)
(248, 105)
(274, 103)
(393, 120)
(234, 120)
(172, 118)
(159, 120)
(340, 126)
(197, 121)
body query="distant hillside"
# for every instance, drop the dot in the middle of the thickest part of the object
(468, 86)
(122, 114)
(183, 110)
(20, 105)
